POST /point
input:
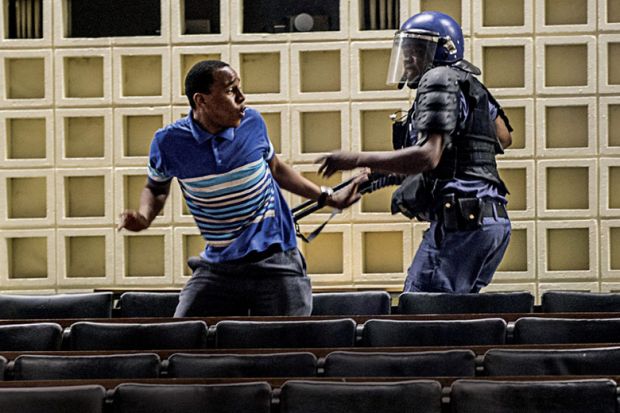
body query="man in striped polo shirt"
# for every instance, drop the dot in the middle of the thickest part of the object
(231, 177)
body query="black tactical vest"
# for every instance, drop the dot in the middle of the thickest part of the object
(471, 152)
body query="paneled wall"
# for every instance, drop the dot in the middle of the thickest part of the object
(85, 85)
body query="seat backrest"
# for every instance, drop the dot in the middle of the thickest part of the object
(30, 337)
(572, 396)
(148, 304)
(192, 398)
(117, 366)
(351, 303)
(3, 365)
(388, 333)
(421, 396)
(86, 335)
(84, 305)
(293, 364)
(522, 362)
(285, 334)
(459, 363)
(579, 301)
(538, 330)
(449, 303)
(61, 399)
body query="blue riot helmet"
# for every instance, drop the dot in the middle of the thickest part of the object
(426, 40)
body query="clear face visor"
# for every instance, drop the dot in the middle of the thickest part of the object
(412, 55)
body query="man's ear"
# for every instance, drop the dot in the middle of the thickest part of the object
(199, 98)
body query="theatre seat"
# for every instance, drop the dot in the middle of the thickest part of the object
(86, 335)
(120, 366)
(457, 363)
(285, 334)
(571, 396)
(61, 399)
(539, 330)
(449, 303)
(293, 364)
(390, 333)
(524, 362)
(3, 363)
(85, 305)
(351, 303)
(192, 398)
(139, 304)
(30, 337)
(420, 396)
(579, 301)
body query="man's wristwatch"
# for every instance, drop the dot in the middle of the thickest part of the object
(326, 193)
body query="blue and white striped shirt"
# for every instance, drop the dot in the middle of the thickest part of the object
(227, 185)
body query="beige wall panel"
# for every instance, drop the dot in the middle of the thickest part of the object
(507, 65)
(26, 138)
(85, 257)
(84, 137)
(28, 259)
(264, 71)
(566, 127)
(330, 255)
(83, 77)
(554, 177)
(610, 250)
(84, 196)
(27, 78)
(144, 258)
(568, 251)
(565, 16)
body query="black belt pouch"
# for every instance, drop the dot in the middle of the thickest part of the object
(470, 213)
(449, 213)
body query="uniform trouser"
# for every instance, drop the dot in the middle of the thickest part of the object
(275, 285)
(462, 261)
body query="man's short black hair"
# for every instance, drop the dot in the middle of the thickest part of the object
(200, 78)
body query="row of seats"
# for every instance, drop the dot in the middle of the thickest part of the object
(345, 332)
(446, 363)
(149, 304)
(303, 396)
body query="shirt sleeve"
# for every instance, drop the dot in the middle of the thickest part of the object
(156, 169)
(493, 110)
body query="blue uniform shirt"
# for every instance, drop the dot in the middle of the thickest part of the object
(227, 185)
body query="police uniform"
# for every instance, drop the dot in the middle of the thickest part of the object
(470, 228)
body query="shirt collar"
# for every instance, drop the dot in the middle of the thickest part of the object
(202, 135)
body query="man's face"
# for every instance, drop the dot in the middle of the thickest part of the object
(223, 107)
(417, 56)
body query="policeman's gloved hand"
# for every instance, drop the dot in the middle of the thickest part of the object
(337, 161)
(347, 196)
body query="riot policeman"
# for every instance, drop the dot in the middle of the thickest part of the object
(447, 146)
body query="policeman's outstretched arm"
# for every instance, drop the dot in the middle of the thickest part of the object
(152, 200)
(294, 182)
(407, 161)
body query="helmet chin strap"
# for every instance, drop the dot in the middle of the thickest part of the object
(413, 83)
(402, 82)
